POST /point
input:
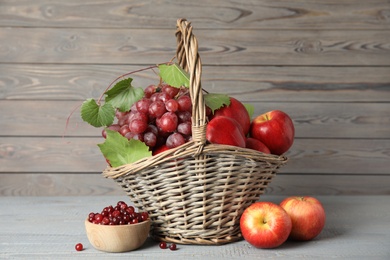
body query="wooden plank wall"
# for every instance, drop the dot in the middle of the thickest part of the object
(326, 63)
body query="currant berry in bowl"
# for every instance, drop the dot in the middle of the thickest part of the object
(117, 228)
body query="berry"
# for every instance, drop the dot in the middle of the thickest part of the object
(143, 105)
(172, 246)
(150, 139)
(162, 117)
(184, 103)
(167, 122)
(98, 218)
(150, 90)
(171, 105)
(124, 130)
(163, 245)
(185, 128)
(157, 109)
(175, 140)
(79, 247)
(184, 116)
(138, 126)
(144, 216)
(172, 91)
(120, 214)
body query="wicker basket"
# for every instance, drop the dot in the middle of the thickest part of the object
(196, 193)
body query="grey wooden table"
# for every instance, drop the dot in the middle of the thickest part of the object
(357, 227)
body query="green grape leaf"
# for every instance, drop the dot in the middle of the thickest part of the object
(250, 108)
(97, 115)
(123, 95)
(174, 75)
(118, 150)
(215, 100)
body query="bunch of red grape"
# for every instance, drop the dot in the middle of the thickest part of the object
(161, 119)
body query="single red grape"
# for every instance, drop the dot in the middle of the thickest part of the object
(175, 140)
(167, 122)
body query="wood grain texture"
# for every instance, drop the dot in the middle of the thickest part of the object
(57, 118)
(81, 154)
(248, 83)
(284, 184)
(27, 235)
(216, 47)
(217, 14)
(326, 63)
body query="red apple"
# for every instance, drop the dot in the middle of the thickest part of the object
(275, 129)
(238, 112)
(255, 144)
(265, 225)
(307, 216)
(160, 149)
(225, 130)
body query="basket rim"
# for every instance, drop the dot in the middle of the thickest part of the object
(190, 149)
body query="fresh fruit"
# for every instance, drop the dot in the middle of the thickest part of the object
(157, 116)
(225, 130)
(172, 247)
(235, 110)
(307, 215)
(255, 144)
(275, 129)
(265, 225)
(163, 245)
(160, 149)
(161, 118)
(121, 214)
(175, 140)
(79, 247)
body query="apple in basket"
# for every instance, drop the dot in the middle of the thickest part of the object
(307, 216)
(255, 144)
(237, 111)
(265, 225)
(275, 129)
(225, 130)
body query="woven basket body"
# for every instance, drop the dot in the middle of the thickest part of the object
(196, 193)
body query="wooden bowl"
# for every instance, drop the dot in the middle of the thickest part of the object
(118, 238)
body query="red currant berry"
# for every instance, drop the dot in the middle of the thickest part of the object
(172, 246)
(91, 215)
(163, 245)
(98, 218)
(144, 216)
(79, 247)
(105, 221)
(116, 213)
(130, 210)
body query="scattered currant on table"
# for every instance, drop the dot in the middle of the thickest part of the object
(172, 247)
(79, 247)
(120, 214)
(164, 245)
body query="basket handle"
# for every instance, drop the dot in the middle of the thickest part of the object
(189, 60)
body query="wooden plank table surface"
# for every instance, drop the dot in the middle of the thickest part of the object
(357, 227)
